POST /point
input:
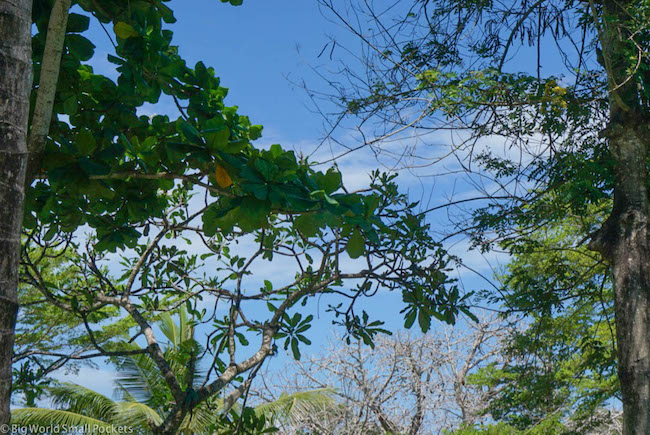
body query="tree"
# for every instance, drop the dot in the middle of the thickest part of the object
(579, 128)
(223, 282)
(559, 367)
(404, 384)
(93, 160)
(15, 70)
(144, 397)
(49, 338)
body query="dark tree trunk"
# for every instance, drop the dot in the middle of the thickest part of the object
(15, 85)
(624, 239)
(625, 243)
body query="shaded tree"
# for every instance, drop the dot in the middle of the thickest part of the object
(144, 398)
(564, 86)
(96, 162)
(223, 284)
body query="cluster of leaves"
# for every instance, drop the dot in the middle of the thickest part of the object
(394, 250)
(561, 365)
(108, 166)
(124, 175)
(47, 336)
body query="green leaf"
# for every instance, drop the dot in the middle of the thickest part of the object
(322, 194)
(308, 224)
(77, 23)
(259, 191)
(330, 182)
(80, 47)
(294, 349)
(255, 132)
(86, 143)
(303, 339)
(124, 31)
(266, 169)
(276, 150)
(50, 233)
(424, 320)
(356, 244)
(70, 105)
(92, 167)
(410, 319)
(216, 133)
(189, 131)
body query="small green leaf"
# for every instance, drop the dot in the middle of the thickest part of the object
(424, 320)
(86, 143)
(294, 349)
(356, 245)
(124, 31)
(216, 133)
(255, 132)
(80, 47)
(189, 131)
(308, 224)
(330, 182)
(77, 23)
(70, 105)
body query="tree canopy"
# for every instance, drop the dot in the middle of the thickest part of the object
(114, 198)
(564, 86)
(112, 219)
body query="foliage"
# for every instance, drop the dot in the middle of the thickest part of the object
(146, 187)
(48, 337)
(560, 365)
(563, 87)
(145, 399)
(108, 167)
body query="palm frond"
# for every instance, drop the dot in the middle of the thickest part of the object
(81, 400)
(203, 416)
(137, 415)
(179, 332)
(139, 376)
(169, 328)
(56, 417)
(295, 406)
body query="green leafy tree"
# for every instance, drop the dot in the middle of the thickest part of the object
(49, 338)
(560, 364)
(144, 398)
(564, 85)
(249, 312)
(76, 152)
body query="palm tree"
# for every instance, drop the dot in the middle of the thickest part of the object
(143, 396)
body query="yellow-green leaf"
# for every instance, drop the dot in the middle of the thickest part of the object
(124, 30)
(223, 179)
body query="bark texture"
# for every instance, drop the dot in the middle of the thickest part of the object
(624, 239)
(628, 249)
(49, 77)
(15, 85)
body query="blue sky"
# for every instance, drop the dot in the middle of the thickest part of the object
(257, 49)
(254, 48)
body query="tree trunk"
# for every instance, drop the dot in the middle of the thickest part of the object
(49, 78)
(627, 246)
(624, 238)
(15, 85)
(624, 241)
